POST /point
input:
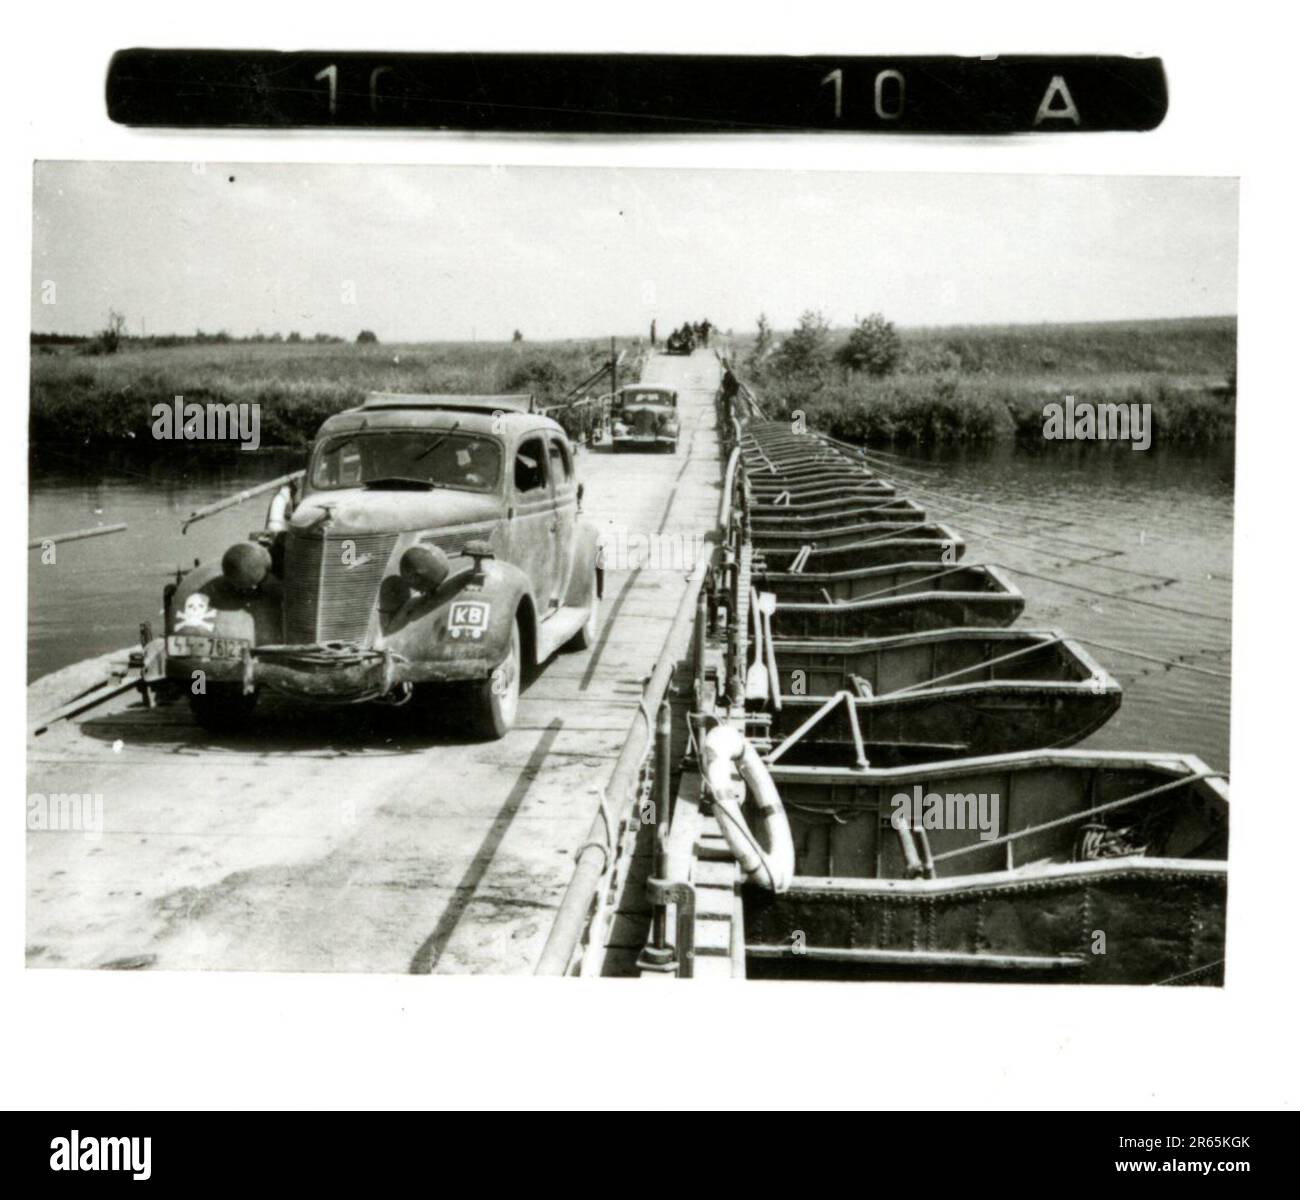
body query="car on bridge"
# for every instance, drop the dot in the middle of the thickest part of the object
(680, 341)
(644, 416)
(436, 554)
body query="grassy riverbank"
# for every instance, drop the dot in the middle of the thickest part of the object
(108, 399)
(985, 383)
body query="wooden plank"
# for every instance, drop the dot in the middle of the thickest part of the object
(714, 874)
(713, 937)
(714, 903)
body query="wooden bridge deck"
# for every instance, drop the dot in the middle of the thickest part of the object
(346, 840)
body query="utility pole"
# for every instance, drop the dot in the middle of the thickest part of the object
(613, 367)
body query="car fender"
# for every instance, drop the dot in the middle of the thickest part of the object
(586, 546)
(466, 620)
(204, 603)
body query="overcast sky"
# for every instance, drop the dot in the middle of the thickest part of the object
(428, 253)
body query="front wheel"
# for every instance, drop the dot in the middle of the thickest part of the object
(496, 699)
(223, 707)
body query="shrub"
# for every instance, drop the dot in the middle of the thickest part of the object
(109, 338)
(874, 347)
(540, 376)
(805, 351)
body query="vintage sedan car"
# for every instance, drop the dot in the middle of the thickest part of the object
(644, 416)
(437, 541)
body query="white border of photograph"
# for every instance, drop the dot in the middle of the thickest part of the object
(136, 1040)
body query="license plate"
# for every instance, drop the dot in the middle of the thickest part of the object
(468, 619)
(188, 646)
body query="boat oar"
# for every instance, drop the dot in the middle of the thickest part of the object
(238, 498)
(77, 707)
(756, 682)
(766, 607)
(75, 535)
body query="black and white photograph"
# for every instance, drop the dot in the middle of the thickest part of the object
(843, 595)
(648, 560)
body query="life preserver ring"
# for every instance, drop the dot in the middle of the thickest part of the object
(277, 515)
(727, 753)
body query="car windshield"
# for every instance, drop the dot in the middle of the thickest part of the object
(407, 458)
(648, 397)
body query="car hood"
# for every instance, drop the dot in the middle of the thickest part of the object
(375, 510)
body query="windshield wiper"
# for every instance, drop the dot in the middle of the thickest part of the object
(431, 448)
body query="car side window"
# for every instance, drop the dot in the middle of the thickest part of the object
(561, 466)
(530, 467)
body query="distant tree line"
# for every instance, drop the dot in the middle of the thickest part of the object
(872, 348)
(114, 336)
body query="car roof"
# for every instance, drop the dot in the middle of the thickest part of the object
(505, 402)
(647, 387)
(505, 416)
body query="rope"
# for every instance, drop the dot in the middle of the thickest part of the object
(909, 582)
(1078, 587)
(1087, 562)
(1166, 662)
(967, 502)
(979, 666)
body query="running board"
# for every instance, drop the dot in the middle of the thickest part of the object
(558, 629)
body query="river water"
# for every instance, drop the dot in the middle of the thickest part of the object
(1153, 526)
(96, 593)
(1150, 528)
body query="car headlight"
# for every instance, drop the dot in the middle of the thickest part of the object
(245, 565)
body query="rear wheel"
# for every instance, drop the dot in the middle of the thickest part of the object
(495, 700)
(223, 707)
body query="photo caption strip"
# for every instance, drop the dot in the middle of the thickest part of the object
(635, 93)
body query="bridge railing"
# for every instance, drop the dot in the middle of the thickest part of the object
(597, 858)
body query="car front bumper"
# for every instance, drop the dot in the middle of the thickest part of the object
(331, 672)
(644, 439)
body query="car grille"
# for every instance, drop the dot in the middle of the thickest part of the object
(333, 601)
(646, 422)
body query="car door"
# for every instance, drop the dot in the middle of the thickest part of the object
(564, 485)
(532, 518)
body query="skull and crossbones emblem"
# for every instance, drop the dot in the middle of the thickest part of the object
(197, 614)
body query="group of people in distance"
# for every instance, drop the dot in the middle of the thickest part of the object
(686, 338)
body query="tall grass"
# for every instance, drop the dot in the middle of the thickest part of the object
(980, 384)
(91, 400)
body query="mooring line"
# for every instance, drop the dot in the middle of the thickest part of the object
(1090, 562)
(911, 582)
(1002, 509)
(1186, 612)
(978, 666)
(1167, 662)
